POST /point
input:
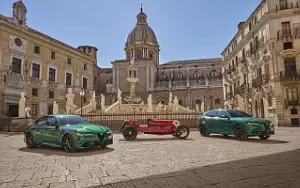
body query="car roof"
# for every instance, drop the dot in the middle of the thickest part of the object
(62, 115)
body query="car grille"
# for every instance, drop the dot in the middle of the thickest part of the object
(103, 136)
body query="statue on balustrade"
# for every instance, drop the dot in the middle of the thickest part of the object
(149, 101)
(22, 105)
(70, 107)
(102, 102)
(55, 108)
(176, 104)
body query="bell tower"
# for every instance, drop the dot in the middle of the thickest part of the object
(19, 13)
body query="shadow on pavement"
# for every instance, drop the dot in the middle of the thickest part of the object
(273, 171)
(250, 139)
(156, 139)
(59, 151)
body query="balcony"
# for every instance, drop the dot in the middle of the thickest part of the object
(291, 103)
(14, 80)
(290, 78)
(288, 34)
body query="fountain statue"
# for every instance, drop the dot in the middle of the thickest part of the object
(197, 108)
(176, 104)
(102, 103)
(93, 101)
(202, 107)
(149, 102)
(70, 107)
(55, 108)
(132, 79)
(22, 105)
(27, 110)
(159, 107)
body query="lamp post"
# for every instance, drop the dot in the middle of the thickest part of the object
(81, 93)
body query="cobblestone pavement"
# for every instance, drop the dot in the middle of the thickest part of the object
(153, 161)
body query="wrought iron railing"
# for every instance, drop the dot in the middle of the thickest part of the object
(288, 33)
(286, 6)
(290, 76)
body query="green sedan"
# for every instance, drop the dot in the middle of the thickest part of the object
(233, 122)
(70, 132)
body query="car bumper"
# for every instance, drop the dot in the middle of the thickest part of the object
(93, 141)
(264, 132)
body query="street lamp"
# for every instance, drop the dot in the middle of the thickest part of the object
(81, 93)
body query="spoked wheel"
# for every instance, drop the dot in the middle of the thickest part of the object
(264, 137)
(29, 141)
(204, 132)
(241, 133)
(129, 133)
(182, 132)
(68, 144)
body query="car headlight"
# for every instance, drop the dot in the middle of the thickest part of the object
(82, 134)
(253, 124)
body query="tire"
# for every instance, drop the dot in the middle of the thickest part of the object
(264, 137)
(29, 141)
(204, 132)
(182, 132)
(240, 133)
(129, 133)
(68, 144)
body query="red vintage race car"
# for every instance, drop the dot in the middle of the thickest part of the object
(131, 128)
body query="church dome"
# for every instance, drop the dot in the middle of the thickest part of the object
(142, 32)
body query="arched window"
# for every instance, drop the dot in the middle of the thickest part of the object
(138, 54)
(150, 54)
(198, 101)
(164, 77)
(213, 73)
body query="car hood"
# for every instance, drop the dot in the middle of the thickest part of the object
(87, 128)
(251, 120)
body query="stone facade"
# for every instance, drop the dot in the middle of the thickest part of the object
(262, 63)
(192, 81)
(37, 64)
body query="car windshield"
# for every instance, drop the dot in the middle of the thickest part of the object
(238, 114)
(71, 120)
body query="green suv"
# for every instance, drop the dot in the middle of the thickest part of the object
(233, 122)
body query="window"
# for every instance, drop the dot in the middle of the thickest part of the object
(217, 101)
(51, 94)
(295, 122)
(41, 121)
(85, 66)
(286, 28)
(238, 114)
(150, 54)
(84, 83)
(288, 45)
(84, 99)
(180, 102)
(68, 79)
(283, 4)
(34, 92)
(267, 70)
(222, 113)
(16, 65)
(198, 101)
(243, 54)
(51, 121)
(294, 111)
(37, 49)
(50, 109)
(290, 66)
(52, 55)
(36, 70)
(138, 54)
(72, 120)
(34, 112)
(292, 96)
(69, 61)
(52, 74)
(250, 26)
(212, 113)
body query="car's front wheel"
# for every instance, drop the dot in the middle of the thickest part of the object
(29, 141)
(129, 133)
(240, 133)
(204, 132)
(264, 137)
(68, 144)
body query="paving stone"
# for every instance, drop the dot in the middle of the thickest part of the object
(113, 179)
(40, 175)
(8, 178)
(123, 185)
(54, 179)
(87, 182)
(78, 176)
(145, 184)
(24, 176)
(68, 184)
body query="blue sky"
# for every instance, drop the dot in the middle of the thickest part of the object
(185, 29)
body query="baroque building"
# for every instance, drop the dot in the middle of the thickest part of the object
(192, 81)
(40, 66)
(262, 63)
